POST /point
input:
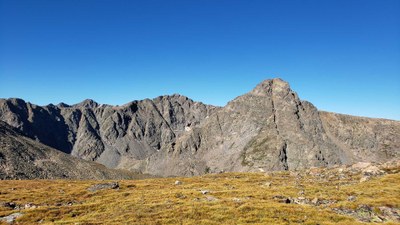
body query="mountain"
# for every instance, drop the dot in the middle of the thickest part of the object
(269, 128)
(24, 158)
(116, 136)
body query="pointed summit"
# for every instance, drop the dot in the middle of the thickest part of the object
(62, 105)
(276, 85)
(87, 103)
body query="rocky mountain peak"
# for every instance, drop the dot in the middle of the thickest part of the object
(62, 105)
(269, 128)
(270, 86)
(87, 103)
(16, 101)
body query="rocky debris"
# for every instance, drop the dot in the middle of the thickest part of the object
(369, 171)
(11, 218)
(14, 206)
(372, 171)
(389, 165)
(303, 200)
(391, 214)
(282, 199)
(236, 199)
(178, 182)
(30, 206)
(10, 205)
(366, 213)
(102, 186)
(68, 203)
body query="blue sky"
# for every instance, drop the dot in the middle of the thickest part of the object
(343, 56)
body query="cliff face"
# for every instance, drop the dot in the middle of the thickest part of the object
(269, 128)
(24, 158)
(116, 136)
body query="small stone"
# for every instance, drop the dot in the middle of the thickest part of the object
(178, 182)
(11, 205)
(30, 206)
(314, 201)
(205, 192)
(11, 218)
(211, 198)
(351, 198)
(365, 178)
(267, 184)
(237, 200)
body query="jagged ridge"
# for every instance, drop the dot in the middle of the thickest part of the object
(269, 128)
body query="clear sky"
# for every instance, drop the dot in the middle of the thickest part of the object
(341, 55)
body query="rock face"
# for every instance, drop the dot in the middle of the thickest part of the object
(269, 128)
(366, 139)
(24, 158)
(116, 136)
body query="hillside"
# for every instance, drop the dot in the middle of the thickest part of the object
(24, 158)
(358, 194)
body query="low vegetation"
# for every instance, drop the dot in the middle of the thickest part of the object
(341, 195)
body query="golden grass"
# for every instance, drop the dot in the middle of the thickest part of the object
(242, 198)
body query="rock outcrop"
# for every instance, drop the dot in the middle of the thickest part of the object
(269, 128)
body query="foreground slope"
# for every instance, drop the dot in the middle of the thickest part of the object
(358, 194)
(24, 158)
(268, 128)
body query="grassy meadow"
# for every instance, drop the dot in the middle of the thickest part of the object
(227, 198)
